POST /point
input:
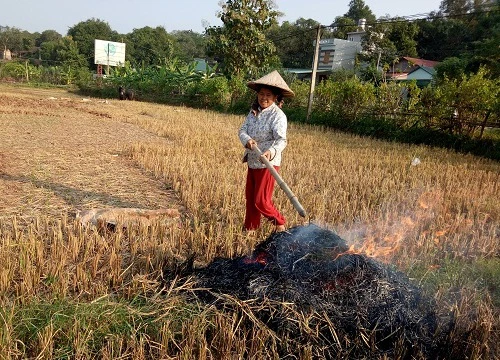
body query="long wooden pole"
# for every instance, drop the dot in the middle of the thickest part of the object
(291, 196)
(313, 75)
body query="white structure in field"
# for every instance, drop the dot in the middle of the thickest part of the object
(109, 53)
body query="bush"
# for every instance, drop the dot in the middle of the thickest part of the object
(241, 96)
(213, 93)
(345, 101)
(395, 111)
(301, 98)
(462, 106)
(55, 75)
(13, 70)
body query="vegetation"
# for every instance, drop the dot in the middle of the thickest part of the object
(294, 41)
(73, 292)
(84, 34)
(245, 22)
(459, 108)
(148, 46)
(460, 29)
(359, 10)
(471, 34)
(387, 40)
(456, 114)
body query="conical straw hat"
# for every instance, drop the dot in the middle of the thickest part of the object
(273, 79)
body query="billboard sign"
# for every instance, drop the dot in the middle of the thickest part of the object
(109, 53)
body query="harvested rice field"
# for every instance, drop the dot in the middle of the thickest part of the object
(415, 228)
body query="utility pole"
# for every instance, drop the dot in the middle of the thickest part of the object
(27, 71)
(313, 75)
(107, 67)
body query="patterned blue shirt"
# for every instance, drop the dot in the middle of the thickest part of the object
(268, 129)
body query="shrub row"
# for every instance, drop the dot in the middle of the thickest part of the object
(26, 72)
(456, 114)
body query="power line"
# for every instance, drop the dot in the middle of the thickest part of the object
(415, 17)
(398, 19)
(296, 33)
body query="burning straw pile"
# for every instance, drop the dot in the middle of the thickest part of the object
(306, 287)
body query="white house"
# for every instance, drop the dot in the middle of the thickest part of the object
(335, 54)
(357, 36)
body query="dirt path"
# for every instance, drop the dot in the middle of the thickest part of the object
(60, 153)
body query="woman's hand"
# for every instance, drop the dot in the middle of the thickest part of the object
(267, 155)
(250, 144)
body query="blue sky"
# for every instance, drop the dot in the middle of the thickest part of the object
(126, 15)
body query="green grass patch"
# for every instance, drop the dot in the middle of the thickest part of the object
(482, 275)
(86, 327)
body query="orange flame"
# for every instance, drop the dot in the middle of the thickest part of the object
(385, 237)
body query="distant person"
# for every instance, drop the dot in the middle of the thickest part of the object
(265, 126)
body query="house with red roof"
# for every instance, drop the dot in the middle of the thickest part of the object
(409, 68)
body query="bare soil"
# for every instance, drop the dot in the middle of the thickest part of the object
(61, 153)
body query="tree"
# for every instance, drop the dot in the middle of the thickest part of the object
(294, 42)
(342, 25)
(440, 38)
(359, 10)
(388, 40)
(62, 52)
(461, 7)
(47, 35)
(402, 34)
(149, 46)
(451, 68)
(241, 44)
(455, 7)
(86, 32)
(189, 45)
(11, 38)
(474, 38)
(62, 61)
(485, 47)
(378, 50)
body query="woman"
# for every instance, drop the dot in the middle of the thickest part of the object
(265, 128)
(255, 106)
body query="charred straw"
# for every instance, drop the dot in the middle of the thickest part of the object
(358, 306)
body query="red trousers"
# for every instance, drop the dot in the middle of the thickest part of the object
(258, 192)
